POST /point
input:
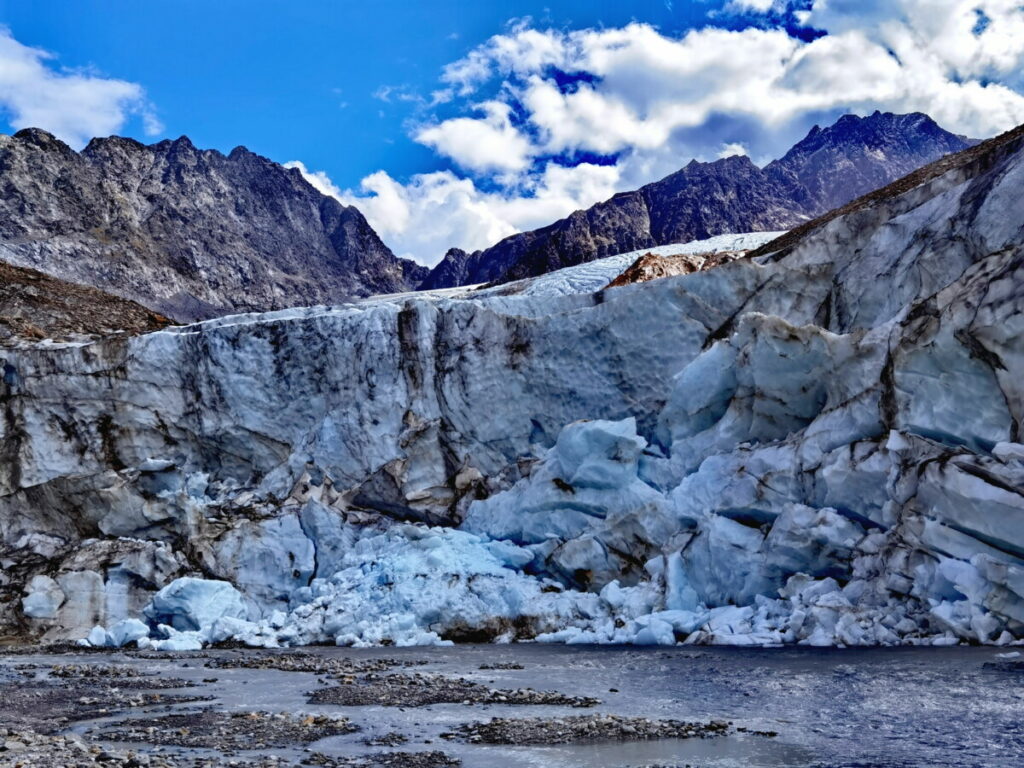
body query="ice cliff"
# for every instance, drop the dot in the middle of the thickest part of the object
(818, 444)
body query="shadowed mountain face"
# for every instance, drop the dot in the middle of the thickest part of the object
(828, 168)
(190, 233)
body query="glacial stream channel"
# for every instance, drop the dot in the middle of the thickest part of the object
(885, 707)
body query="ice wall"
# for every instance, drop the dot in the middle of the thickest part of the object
(819, 445)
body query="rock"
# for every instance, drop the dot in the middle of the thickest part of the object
(35, 306)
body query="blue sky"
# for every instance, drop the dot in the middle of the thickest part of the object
(295, 79)
(456, 123)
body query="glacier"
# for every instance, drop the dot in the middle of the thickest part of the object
(817, 444)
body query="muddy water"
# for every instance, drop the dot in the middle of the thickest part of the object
(892, 707)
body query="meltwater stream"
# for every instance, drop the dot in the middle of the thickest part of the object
(829, 707)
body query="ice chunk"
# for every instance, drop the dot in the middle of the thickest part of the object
(127, 631)
(413, 585)
(44, 598)
(599, 454)
(98, 637)
(189, 604)
(177, 641)
(583, 507)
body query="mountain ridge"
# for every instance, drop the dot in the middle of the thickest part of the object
(824, 170)
(187, 232)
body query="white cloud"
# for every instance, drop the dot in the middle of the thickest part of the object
(651, 101)
(645, 86)
(488, 143)
(522, 51)
(730, 150)
(757, 6)
(74, 106)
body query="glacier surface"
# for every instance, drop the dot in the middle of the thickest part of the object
(818, 445)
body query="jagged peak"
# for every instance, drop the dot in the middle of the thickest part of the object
(242, 152)
(98, 144)
(1010, 141)
(39, 138)
(728, 164)
(869, 129)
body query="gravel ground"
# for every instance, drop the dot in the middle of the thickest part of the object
(582, 729)
(27, 749)
(47, 707)
(418, 690)
(229, 732)
(502, 665)
(308, 662)
(433, 759)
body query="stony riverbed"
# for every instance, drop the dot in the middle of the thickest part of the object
(498, 706)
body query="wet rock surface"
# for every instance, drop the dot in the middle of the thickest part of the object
(584, 728)
(423, 690)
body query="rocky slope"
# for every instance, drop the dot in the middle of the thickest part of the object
(189, 233)
(817, 444)
(34, 306)
(826, 169)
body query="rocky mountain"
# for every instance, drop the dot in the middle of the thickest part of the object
(187, 232)
(819, 443)
(826, 169)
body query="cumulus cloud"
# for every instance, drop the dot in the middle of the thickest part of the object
(74, 106)
(487, 143)
(632, 104)
(730, 150)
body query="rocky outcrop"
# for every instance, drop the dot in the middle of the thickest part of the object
(819, 443)
(652, 266)
(828, 168)
(189, 233)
